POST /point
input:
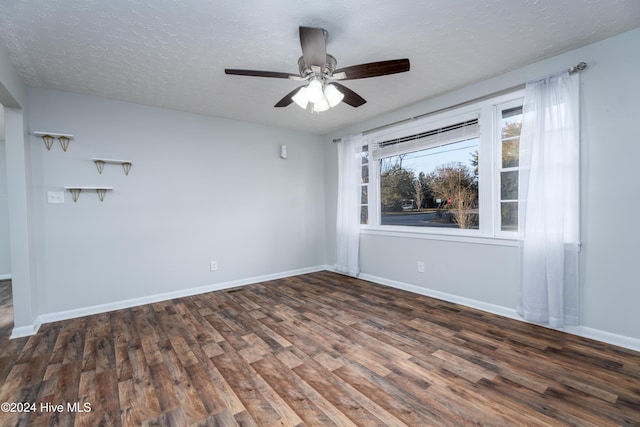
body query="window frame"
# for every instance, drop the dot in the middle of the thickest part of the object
(364, 183)
(488, 112)
(499, 108)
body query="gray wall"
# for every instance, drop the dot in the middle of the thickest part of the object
(5, 249)
(13, 97)
(200, 189)
(610, 199)
(205, 189)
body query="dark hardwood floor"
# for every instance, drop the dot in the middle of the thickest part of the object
(6, 308)
(319, 349)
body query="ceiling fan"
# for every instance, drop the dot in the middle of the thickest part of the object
(318, 70)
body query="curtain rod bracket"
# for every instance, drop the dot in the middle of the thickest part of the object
(580, 67)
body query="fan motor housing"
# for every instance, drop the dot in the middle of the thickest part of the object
(329, 67)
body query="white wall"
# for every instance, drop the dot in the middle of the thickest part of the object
(610, 200)
(200, 189)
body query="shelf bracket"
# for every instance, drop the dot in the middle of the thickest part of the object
(126, 164)
(75, 193)
(49, 137)
(64, 142)
(100, 191)
(99, 165)
(48, 141)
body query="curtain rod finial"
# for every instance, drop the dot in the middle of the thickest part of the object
(580, 67)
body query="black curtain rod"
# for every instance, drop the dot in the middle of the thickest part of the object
(576, 69)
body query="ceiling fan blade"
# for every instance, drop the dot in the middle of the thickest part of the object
(314, 46)
(288, 98)
(374, 69)
(350, 97)
(256, 73)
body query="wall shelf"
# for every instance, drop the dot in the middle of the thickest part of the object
(75, 191)
(126, 164)
(49, 137)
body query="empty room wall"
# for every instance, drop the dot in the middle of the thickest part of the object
(14, 99)
(609, 200)
(5, 250)
(201, 189)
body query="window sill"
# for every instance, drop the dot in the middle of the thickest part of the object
(461, 236)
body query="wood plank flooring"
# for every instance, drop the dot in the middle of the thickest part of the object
(314, 350)
(6, 307)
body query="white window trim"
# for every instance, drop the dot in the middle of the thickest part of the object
(497, 158)
(410, 233)
(487, 111)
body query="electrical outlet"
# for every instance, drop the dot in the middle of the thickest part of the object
(420, 267)
(213, 265)
(55, 197)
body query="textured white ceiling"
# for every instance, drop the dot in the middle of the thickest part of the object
(172, 53)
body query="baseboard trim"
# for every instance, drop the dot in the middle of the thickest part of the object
(606, 337)
(5, 277)
(133, 302)
(25, 331)
(582, 331)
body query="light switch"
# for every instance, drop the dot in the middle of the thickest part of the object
(55, 197)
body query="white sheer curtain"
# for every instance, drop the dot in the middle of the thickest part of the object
(548, 213)
(348, 220)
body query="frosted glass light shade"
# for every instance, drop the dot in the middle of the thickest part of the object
(333, 95)
(300, 98)
(320, 106)
(314, 91)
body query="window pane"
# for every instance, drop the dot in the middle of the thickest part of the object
(364, 215)
(512, 115)
(509, 216)
(364, 192)
(511, 126)
(411, 185)
(509, 185)
(510, 153)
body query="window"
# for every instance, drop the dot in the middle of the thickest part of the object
(510, 124)
(364, 198)
(454, 173)
(435, 186)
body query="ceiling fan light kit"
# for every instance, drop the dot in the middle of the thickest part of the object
(314, 91)
(300, 98)
(318, 69)
(333, 95)
(321, 98)
(321, 106)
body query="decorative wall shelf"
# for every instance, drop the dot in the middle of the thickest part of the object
(126, 164)
(75, 191)
(49, 137)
